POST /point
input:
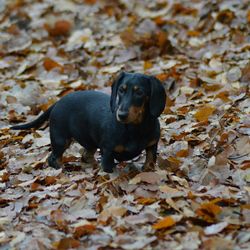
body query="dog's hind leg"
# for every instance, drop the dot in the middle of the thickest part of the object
(59, 143)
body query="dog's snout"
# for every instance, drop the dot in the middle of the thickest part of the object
(122, 115)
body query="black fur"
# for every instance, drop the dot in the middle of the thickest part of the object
(122, 125)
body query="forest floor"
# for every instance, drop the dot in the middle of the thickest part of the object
(198, 195)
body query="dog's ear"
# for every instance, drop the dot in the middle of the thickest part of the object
(157, 99)
(115, 87)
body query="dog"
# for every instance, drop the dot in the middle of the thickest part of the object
(121, 125)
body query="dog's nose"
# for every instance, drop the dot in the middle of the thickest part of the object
(122, 115)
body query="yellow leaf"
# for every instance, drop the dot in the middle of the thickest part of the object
(204, 112)
(146, 201)
(147, 65)
(164, 223)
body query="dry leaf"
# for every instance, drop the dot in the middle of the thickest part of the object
(215, 228)
(148, 177)
(164, 223)
(84, 230)
(204, 112)
(209, 211)
(67, 243)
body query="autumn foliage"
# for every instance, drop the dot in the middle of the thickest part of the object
(198, 195)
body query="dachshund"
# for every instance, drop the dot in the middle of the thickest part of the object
(121, 125)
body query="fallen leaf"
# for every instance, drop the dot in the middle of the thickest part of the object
(148, 177)
(67, 243)
(204, 112)
(215, 228)
(164, 223)
(209, 211)
(84, 230)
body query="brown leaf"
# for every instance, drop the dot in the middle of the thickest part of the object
(148, 177)
(61, 28)
(84, 230)
(58, 217)
(50, 64)
(67, 243)
(204, 112)
(49, 180)
(112, 211)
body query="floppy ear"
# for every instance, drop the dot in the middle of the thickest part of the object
(157, 99)
(115, 87)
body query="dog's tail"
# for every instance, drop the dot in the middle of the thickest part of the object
(36, 123)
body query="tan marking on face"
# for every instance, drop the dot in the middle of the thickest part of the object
(151, 143)
(119, 149)
(124, 87)
(150, 161)
(135, 88)
(136, 114)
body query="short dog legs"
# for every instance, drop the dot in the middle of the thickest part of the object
(59, 143)
(151, 154)
(107, 162)
(54, 162)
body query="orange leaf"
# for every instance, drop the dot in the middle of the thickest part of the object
(162, 77)
(35, 186)
(182, 153)
(67, 243)
(49, 180)
(83, 230)
(5, 177)
(164, 223)
(61, 28)
(208, 211)
(204, 112)
(147, 65)
(146, 201)
(248, 16)
(193, 33)
(223, 96)
(50, 64)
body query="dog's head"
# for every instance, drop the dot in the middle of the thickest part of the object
(135, 95)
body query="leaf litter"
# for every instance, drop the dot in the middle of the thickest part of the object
(198, 195)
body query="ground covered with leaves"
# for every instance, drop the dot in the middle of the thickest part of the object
(198, 195)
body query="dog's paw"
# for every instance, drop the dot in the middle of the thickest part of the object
(53, 162)
(149, 166)
(107, 170)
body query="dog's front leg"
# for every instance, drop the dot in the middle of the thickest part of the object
(151, 155)
(108, 161)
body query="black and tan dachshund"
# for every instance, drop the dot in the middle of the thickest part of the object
(122, 125)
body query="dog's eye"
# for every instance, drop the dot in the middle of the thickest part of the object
(139, 92)
(122, 90)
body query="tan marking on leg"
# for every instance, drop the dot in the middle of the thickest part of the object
(150, 161)
(151, 143)
(88, 156)
(119, 149)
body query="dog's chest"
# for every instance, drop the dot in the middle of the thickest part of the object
(129, 147)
